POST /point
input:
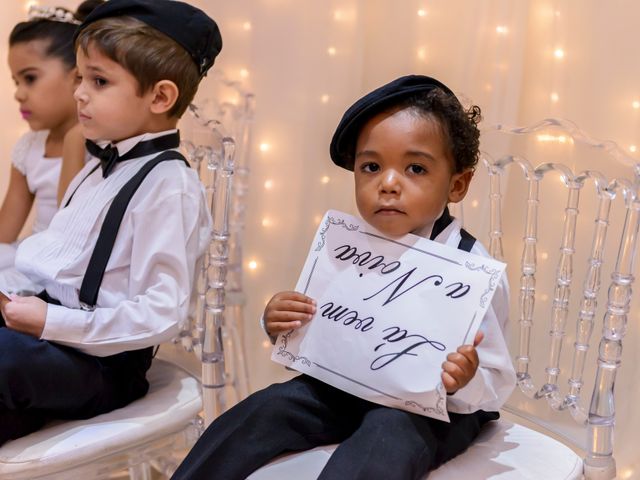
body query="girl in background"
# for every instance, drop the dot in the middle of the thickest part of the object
(42, 63)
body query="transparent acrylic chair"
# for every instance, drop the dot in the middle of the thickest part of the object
(560, 421)
(187, 377)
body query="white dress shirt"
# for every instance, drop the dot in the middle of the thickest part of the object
(495, 378)
(150, 275)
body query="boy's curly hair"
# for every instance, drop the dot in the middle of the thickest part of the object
(459, 126)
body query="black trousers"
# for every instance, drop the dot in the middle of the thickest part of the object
(41, 380)
(376, 442)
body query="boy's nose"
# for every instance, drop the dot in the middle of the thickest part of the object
(79, 94)
(389, 182)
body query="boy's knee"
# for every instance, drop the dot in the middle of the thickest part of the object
(14, 363)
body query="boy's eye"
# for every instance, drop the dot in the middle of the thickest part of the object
(416, 169)
(29, 79)
(370, 167)
(99, 81)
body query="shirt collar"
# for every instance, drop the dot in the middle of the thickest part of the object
(127, 144)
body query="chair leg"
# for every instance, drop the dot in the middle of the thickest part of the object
(142, 471)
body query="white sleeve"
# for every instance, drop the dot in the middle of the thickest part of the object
(495, 378)
(20, 152)
(168, 239)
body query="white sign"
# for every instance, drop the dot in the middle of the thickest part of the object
(388, 313)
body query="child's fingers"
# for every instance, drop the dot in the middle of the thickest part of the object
(449, 383)
(295, 296)
(470, 353)
(294, 306)
(478, 338)
(453, 369)
(282, 316)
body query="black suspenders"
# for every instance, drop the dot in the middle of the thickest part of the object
(109, 231)
(466, 242)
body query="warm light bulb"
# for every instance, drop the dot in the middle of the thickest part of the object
(422, 12)
(338, 15)
(268, 184)
(244, 73)
(246, 26)
(633, 149)
(475, 204)
(422, 53)
(554, 97)
(502, 30)
(636, 104)
(265, 147)
(324, 98)
(252, 265)
(558, 53)
(325, 179)
(317, 219)
(544, 255)
(30, 4)
(266, 344)
(266, 222)
(331, 51)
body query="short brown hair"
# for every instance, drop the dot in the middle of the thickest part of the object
(148, 54)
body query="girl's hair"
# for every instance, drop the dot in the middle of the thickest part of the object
(459, 125)
(59, 35)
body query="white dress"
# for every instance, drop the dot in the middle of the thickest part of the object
(42, 175)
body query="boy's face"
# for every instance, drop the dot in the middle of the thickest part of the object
(109, 105)
(404, 175)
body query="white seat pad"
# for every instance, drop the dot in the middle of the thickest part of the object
(172, 402)
(502, 451)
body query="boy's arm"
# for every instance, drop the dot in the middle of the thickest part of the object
(169, 234)
(495, 378)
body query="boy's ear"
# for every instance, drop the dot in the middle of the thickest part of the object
(164, 96)
(459, 185)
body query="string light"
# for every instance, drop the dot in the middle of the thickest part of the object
(544, 137)
(317, 219)
(265, 147)
(475, 204)
(422, 12)
(268, 184)
(252, 265)
(30, 4)
(502, 30)
(266, 344)
(246, 26)
(544, 255)
(324, 98)
(244, 73)
(554, 97)
(558, 53)
(325, 179)
(338, 15)
(422, 53)
(266, 222)
(636, 104)
(331, 51)
(633, 149)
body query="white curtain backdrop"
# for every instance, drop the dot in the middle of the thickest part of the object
(308, 60)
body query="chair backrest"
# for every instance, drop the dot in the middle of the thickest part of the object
(552, 188)
(210, 131)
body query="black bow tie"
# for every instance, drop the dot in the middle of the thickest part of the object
(109, 155)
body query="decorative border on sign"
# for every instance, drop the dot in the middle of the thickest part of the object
(333, 221)
(439, 408)
(494, 274)
(283, 352)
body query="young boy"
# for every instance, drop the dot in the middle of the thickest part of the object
(413, 149)
(118, 261)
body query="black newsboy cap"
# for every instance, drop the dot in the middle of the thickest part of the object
(189, 26)
(343, 143)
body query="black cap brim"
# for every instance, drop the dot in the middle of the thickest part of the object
(342, 148)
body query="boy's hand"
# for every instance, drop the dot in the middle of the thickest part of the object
(287, 311)
(25, 314)
(461, 366)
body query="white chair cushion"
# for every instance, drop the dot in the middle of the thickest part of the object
(172, 402)
(502, 451)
